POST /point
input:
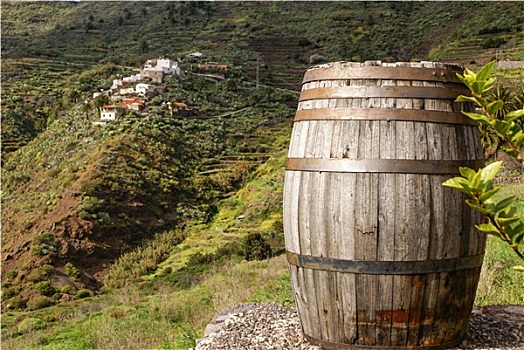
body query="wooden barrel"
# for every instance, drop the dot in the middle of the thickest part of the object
(381, 255)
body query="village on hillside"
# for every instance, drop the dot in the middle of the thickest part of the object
(134, 91)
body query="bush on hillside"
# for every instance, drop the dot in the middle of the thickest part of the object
(256, 248)
(39, 302)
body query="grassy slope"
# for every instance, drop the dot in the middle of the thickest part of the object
(203, 278)
(169, 309)
(95, 192)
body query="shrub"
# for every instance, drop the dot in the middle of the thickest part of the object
(7, 292)
(66, 289)
(84, 215)
(15, 303)
(30, 324)
(168, 270)
(493, 43)
(256, 248)
(38, 302)
(47, 270)
(45, 288)
(45, 244)
(56, 297)
(71, 270)
(83, 293)
(11, 275)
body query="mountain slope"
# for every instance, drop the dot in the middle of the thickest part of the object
(82, 194)
(45, 43)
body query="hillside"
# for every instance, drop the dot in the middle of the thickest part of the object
(46, 46)
(161, 203)
(81, 194)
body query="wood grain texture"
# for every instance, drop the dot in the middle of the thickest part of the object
(381, 217)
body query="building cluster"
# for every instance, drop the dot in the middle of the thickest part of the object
(133, 92)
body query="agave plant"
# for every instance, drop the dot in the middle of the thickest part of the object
(489, 140)
(501, 93)
(519, 103)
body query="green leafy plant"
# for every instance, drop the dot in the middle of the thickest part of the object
(83, 293)
(72, 271)
(504, 220)
(38, 302)
(44, 288)
(256, 248)
(45, 244)
(505, 126)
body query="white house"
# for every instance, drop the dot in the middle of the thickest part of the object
(144, 89)
(132, 78)
(117, 83)
(195, 55)
(110, 112)
(127, 91)
(164, 65)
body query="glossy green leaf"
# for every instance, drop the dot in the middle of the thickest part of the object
(518, 139)
(488, 228)
(485, 71)
(516, 233)
(507, 221)
(477, 117)
(512, 152)
(495, 106)
(458, 183)
(489, 84)
(468, 173)
(477, 207)
(475, 182)
(463, 98)
(500, 126)
(489, 172)
(505, 203)
(489, 193)
(513, 115)
(478, 87)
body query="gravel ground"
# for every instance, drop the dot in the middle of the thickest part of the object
(271, 326)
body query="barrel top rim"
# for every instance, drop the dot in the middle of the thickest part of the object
(419, 64)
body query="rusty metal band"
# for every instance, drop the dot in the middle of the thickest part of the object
(393, 73)
(402, 166)
(374, 267)
(327, 345)
(382, 92)
(411, 115)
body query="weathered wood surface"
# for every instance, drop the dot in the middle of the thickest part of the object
(381, 217)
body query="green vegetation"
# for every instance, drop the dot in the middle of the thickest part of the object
(173, 318)
(119, 184)
(499, 283)
(504, 219)
(41, 78)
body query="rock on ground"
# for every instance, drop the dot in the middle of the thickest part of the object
(271, 326)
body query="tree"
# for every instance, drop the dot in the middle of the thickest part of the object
(71, 94)
(503, 219)
(86, 107)
(144, 47)
(99, 101)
